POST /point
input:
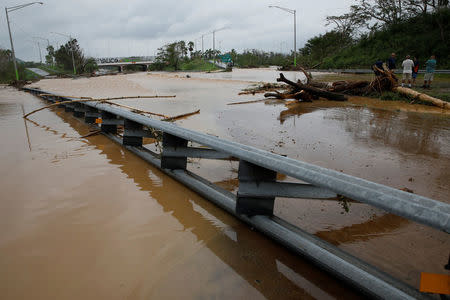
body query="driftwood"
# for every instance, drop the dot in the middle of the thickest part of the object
(278, 95)
(261, 88)
(422, 97)
(385, 80)
(301, 96)
(91, 134)
(170, 119)
(246, 102)
(139, 111)
(298, 86)
(87, 99)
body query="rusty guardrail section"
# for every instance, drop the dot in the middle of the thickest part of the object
(258, 189)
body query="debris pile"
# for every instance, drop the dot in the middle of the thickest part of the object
(385, 80)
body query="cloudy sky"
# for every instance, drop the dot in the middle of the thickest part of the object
(107, 28)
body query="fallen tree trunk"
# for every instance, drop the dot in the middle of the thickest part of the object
(422, 97)
(303, 96)
(344, 86)
(315, 91)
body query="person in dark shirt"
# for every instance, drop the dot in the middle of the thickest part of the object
(415, 70)
(379, 65)
(391, 62)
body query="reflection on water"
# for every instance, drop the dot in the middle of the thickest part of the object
(267, 267)
(408, 132)
(373, 228)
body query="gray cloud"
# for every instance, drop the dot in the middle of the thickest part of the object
(139, 27)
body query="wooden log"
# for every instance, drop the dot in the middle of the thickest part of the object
(308, 75)
(135, 110)
(349, 86)
(246, 102)
(422, 97)
(278, 95)
(174, 118)
(87, 99)
(315, 91)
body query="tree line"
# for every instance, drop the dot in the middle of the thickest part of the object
(62, 57)
(174, 55)
(372, 29)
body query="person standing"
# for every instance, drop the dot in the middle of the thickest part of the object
(379, 65)
(429, 73)
(391, 62)
(415, 70)
(407, 65)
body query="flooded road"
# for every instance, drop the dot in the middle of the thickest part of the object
(84, 218)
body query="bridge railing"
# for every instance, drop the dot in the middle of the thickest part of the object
(258, 188)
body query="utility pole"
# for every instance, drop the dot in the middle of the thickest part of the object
(48, 45)
(11, 9)
(40, 53)
(291, 11)
(214, 35)
(203, 49)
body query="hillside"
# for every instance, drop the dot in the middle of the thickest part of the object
(420, 36)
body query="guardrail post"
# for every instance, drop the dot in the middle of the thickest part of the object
(170, 162)
(110, 128)
(251, 206)
(78, 110)
(130, 138)
(59, 99)
(91, 115)
(69, 107)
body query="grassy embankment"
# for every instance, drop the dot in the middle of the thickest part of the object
(194, 65)
(198, 65)
(440, 87)
(55, 70)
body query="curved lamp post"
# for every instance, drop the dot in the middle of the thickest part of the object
(291, 11)
(11, 9)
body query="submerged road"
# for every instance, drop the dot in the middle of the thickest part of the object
(85, 218)
(39, 71)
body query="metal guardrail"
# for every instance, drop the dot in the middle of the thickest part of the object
(258, 189)
(370, 71)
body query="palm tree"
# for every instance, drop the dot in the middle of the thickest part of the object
(191, 48)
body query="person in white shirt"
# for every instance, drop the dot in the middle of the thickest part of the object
(407, 65)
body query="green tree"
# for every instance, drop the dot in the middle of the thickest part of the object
(63, 58)
(7, 73)
(169, 55)
(50, 55)
(191, 48)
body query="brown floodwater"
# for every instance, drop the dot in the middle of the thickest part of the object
(84, 218)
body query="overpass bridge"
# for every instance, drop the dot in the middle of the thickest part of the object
(121, 65)
(121, 62)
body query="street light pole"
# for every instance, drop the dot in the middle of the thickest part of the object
(40, 53)
(203, 49)
(71, 48)
(11, 9)
(294, 12)
(41, 38)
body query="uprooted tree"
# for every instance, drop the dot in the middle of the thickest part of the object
(385, 80)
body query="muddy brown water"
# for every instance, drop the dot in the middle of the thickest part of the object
(84, 218)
